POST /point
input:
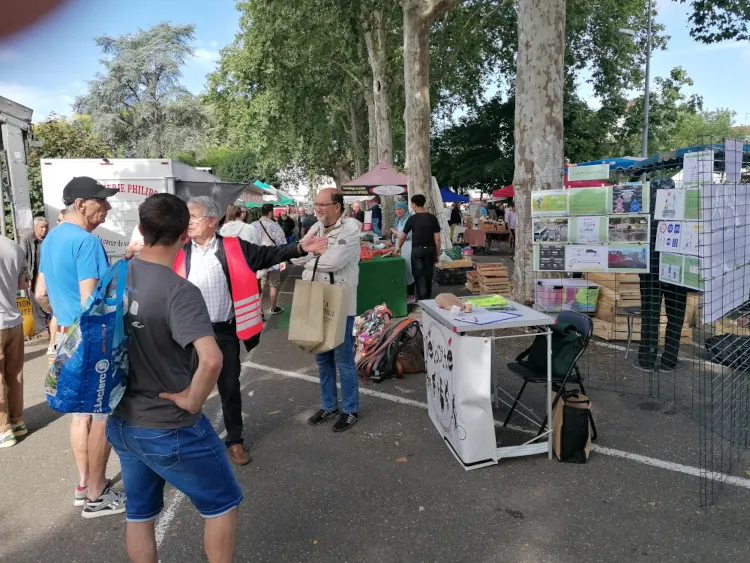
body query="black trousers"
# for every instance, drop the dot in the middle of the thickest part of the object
(422, 268)
(229, 381)
(675, 300)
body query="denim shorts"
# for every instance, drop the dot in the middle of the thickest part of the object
(192, 459)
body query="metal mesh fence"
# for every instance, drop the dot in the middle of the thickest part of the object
(660, 262)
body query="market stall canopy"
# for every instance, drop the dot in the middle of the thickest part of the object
(381, 180)
(506, 192)
(673, 158)
(452, 197)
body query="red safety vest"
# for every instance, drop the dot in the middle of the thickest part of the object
(244, 282)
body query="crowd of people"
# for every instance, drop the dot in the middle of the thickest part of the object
(193, 297)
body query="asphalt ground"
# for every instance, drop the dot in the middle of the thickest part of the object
(390, 490)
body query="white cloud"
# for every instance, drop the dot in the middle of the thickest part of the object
(42, 102)
(206, 57)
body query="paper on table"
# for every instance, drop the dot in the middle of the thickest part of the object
(486, 317)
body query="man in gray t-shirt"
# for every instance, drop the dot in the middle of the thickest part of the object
(165, 315)
(158, 430)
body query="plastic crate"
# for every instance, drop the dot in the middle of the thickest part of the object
(555, 296)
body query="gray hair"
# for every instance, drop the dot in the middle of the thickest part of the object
(40, 220)
(210, 209)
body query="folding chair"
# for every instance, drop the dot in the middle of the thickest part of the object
(585, 328)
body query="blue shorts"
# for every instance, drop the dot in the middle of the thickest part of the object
(192, 459)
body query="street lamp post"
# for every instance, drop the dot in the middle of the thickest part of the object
(646, 104)
(644, 146)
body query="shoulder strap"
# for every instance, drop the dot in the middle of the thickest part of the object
(262, 226)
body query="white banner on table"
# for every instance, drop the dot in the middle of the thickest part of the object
(458, 391)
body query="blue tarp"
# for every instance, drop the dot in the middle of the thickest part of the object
(673, 159)
(619, 163)
(451, 197)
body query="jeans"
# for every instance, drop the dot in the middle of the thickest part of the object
(675, 299)
(191, 458)
(422, 267)
(341, 357)
(229, 381)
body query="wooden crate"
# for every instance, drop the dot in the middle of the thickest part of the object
(463, 263)
(618, 330)
(731, 326)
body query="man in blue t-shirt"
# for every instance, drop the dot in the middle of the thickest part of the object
(72, 262)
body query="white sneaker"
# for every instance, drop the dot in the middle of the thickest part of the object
(7, 439)
(109, 503)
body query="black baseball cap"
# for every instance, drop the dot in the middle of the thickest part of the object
(84, 187)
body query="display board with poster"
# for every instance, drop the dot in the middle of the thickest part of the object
(704, 242)
(602, 229)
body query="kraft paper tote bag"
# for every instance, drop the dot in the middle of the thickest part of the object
(335, 310)
(306, 318)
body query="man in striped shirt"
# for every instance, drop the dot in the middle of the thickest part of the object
(206, 267)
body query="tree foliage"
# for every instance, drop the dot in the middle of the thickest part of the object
(138, 104)
(719, 20)
(62, 138)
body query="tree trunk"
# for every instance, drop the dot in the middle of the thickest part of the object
(357, 147)
(418, 17)
(539, 159)
(417, 93)
(377, 56)
(372, 128)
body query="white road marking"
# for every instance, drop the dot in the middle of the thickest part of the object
(170, 507)
(654, 462)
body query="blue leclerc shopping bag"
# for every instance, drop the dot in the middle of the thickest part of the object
(90, 370)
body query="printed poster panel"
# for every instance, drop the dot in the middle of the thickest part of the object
(549, 202)
(627, 258)
(630, 198)
(670, 205)
(670, 268)
(458, 391)
(586, 258)
(550, 257)
(668, 236)
(589, 230)
(628, 229)
(692, 276)
(692, 205)
(697, 168)
(550, 229)
(588, 201)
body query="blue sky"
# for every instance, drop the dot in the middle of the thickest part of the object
(48, 65)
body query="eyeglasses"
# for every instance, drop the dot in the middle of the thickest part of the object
(197, 219)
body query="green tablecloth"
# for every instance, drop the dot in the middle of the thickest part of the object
(382, 280)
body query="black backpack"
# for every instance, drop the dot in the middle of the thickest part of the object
(567, 343)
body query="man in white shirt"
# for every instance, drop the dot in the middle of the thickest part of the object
(206, 267)
(267, 232)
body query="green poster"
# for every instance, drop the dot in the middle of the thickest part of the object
(588, 201)
(692, 204)
(670, 267)
(549, 202)
(692, 273)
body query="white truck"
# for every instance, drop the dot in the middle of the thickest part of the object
(135, 179)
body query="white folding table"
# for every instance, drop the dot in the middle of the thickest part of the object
(460, 383)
